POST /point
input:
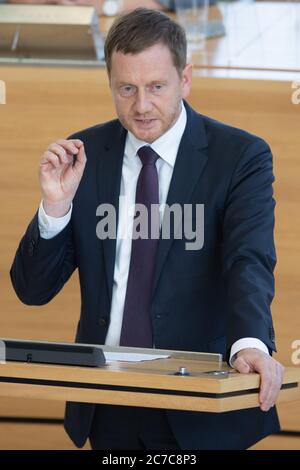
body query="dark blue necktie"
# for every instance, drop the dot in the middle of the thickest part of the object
(137, 327)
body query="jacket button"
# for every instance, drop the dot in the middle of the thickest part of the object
(103, 322)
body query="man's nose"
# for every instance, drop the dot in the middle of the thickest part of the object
(143, 102)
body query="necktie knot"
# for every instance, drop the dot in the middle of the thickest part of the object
(147, 155)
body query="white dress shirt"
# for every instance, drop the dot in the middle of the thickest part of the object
(166, 147)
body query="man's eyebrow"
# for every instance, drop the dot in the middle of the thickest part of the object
(153, 82)
(125, 84)
(161, 82)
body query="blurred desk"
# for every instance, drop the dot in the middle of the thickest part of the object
(262, 40)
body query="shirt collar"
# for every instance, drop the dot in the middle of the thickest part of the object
(166, 146)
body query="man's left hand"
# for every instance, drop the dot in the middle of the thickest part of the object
(271, 374)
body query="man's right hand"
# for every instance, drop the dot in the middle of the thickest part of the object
(60, 172)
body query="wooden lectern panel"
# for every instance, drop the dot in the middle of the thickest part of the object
(152, 384)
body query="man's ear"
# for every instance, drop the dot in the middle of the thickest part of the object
(186, 78)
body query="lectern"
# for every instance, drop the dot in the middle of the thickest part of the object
(180, 381)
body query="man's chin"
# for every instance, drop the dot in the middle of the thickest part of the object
(147, 135)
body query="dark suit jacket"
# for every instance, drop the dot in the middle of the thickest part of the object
(203, 300)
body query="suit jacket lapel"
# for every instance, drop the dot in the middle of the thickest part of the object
(109, 172)
(190, 162)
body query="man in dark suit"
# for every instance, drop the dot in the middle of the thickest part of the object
(140, 291)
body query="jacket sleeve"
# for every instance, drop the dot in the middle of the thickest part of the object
(41, 267)
(248, 248)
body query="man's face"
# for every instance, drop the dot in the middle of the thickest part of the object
(147, 90)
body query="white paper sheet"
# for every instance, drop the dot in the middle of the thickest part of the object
(132, 357)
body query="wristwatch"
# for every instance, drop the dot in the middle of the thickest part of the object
(111, 7)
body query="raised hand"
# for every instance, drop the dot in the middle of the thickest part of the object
(61, 169)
